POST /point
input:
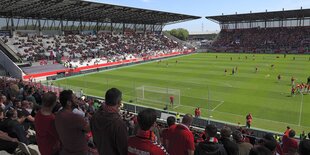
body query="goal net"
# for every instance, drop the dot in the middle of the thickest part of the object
(157, 95)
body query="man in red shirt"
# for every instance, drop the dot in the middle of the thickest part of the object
(71, 127)
(46, 134)
(171, 100)
(249, 120)
(289, 144)
(167, 132)
(145, 140)
(181, 140)
(197, 112)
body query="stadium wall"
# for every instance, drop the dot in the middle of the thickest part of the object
(10, 66)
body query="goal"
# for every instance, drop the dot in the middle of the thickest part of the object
(157, 95)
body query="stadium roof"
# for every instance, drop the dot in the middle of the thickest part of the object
(78, 10)
(275, 15)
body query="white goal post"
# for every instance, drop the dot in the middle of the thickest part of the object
(157, 95)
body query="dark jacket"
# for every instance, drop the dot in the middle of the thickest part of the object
(208, 148)
(230, 146)
(109, 132)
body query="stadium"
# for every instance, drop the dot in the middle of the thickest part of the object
(81, 77)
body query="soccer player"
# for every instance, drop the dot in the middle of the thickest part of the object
(171, 100)
(230, 58)
(256, 69)
(225, 72)
(293, 91)
(236, 69)
(279, 77)
(176, 61)
(216, 57)
(167, 64)
(293, 81)
(233, 71)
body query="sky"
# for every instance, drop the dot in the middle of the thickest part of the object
(205, 8)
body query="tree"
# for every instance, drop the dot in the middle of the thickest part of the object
(179, 33)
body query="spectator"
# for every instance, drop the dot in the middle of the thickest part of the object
(244, 147)
(8, 143)
(304, 147)
(168, 132)
(271, 143)
(109, 130)
(145, 140)
(230, 146)
(17, 129)
(289, 143)
(211, 145)
(71, 127)
(2, 105)
(260, 150)
(46, 134)
(181, 141)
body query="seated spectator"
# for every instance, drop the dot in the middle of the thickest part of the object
(271, 143)
(109, 130)
(230, 146)
(145, 140)
(211, 145)
(8, 143)
(181, 141)
(244, 147)
(304, 147)
(167, 132)
(46, 134)
(15, 128)
(71, 127)
(289, 144)
(260, 150)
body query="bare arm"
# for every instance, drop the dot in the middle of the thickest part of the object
(190, 152)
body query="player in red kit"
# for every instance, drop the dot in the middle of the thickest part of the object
(171, 100)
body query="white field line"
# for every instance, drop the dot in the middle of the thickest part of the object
(217, 106)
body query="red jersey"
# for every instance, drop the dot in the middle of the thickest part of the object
(142, 144)
(289, 143)
(171, 98)
(166, 133)
(181, 140)
(46, 134)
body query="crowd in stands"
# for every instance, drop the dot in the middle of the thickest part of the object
(256, 39)
(62, 123)
(90, 49)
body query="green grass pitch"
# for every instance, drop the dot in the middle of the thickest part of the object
(200, 77)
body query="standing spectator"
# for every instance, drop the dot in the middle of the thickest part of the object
(145, 140)
(249, 120)
(46, 134)
(109, 130)
(211, 145)
(71, 127)
(289, 144)
(244, 147)
(181, 141)
(304, 147)
(168, 132)
(230, 146)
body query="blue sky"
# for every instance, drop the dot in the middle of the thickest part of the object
(209, 8)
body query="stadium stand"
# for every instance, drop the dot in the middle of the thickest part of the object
(264, 32)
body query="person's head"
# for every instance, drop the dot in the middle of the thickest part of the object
(304, 147)
(25, 104)
(113, 97)
(49, 100)
(170, 120)
(309, 135)
(291, 134)
(11, 114)
(187, 120)
(226, 132)
(260, 150)
(211, 130)
(17, 103)
(67, 99)
(288, 127)
(146, 119)
(21, 115)
(237, 136)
